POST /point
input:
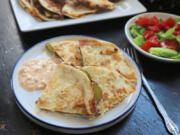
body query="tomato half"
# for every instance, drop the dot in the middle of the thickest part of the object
(147, 34)
(155, 41)
(170, 22)
(154, 28)
(170, 44)
(147, 45)
(145, 22)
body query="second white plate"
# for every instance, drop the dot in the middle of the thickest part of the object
(27, 23)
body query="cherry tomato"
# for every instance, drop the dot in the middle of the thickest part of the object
(176, 33)
(162, 25)
(170, 22)
(155, 41)
(153, 21)
(144, 21)
(147, 34)
(147, 45)
(171, 44)
(153, 28)
(177, 27)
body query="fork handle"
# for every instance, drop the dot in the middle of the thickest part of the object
(170, 125)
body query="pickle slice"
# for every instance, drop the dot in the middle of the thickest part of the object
(49, 47)
(86, 74)
(97, 91)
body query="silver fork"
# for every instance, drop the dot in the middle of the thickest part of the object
(170, 125)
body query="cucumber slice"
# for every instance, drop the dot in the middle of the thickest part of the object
(49, 47)
(97, 91)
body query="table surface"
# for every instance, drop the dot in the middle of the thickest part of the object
(144, 120)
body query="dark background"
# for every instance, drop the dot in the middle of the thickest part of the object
(164, 78)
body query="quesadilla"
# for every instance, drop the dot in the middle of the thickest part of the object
(43, 13)
(54, 6)
(101, 53)
(68, 91)
(75, 10)
(98, 4)
(28, 6)
(68, 51)
(114, 86)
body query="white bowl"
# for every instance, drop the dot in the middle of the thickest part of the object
(63, 122)
(129, 37)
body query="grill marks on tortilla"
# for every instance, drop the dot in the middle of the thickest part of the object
(68, 51)
(101, 53)
(115, 87)
(68, 91)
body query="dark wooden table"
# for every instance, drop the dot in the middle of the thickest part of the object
(164, 78)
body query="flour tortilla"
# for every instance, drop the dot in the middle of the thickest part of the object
(114, 87)
(68, 91)
(101, 53)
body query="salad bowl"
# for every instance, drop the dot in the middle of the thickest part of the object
(159, 16)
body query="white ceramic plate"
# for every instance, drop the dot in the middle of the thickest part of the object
(27, 23)
(129, 37)
(65, 122)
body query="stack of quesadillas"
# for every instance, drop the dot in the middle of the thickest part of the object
(47, 10)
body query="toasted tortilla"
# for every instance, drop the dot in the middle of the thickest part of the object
(53, 5)
(98, 4)
(115, 87)
(68, 91)
(27, 5)
(68, 51)
(101, 53)
(74, 10)
(43, 13)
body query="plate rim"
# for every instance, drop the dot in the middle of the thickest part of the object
(66, 127)
(130, 39)
(143, 9)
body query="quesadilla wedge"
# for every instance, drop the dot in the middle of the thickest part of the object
(101, 53)
(114, 86)
(68, 91)
(54, 6)
(27, 5)
(43, 13)
(98, 4)
(74, 10)
(68, 51)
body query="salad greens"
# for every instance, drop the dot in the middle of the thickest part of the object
(163, 52)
